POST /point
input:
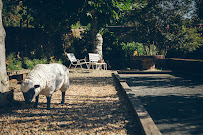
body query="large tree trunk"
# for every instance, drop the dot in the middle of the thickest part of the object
(99, 43)
(97, 39)
(3, 75)
(94, 30)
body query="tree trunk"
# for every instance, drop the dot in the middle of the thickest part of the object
(97, 39)
(99, 43)
(94, 30)
(4, 91)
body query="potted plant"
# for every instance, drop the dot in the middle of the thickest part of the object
(146, 60)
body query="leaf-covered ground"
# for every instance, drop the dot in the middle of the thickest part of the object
(92, 106)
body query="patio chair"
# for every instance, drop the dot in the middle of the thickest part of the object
(76, 62)
(95, 60)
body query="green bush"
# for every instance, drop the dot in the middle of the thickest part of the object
(29, 64)
(140, 49)
(54, 60)
(13, 63)
(129, 48)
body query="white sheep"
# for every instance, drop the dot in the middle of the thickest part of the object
(45, 79)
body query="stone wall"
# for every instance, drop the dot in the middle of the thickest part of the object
(176, 65)
(181, 65)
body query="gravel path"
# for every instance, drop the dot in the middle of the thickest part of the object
(93, 106)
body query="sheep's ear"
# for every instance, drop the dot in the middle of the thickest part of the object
(36, 86)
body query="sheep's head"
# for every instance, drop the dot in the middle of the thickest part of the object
(28, 89)
(29, 95)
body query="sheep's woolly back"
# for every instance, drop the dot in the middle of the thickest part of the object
(50, 77)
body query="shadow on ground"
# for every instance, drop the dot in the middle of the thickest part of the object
(184, 114)
(80, 113)
(94, 113)
(174, 103)
(133, 126)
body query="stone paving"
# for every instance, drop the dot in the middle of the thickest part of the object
(174, 103)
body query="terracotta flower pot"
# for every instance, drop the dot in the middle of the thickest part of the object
(100, 61)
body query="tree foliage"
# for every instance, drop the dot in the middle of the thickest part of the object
(157, 24)
(199, 6)
(11, 16)
(52, 15)
(161, 22)
(189, 39)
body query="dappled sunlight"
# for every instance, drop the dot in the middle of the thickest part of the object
(92, 106)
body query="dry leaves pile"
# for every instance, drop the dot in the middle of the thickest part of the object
(92, 106)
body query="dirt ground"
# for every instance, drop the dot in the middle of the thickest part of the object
(93, 106)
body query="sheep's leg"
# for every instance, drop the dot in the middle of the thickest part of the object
(48, 102)
(63, 97)
(36, 101)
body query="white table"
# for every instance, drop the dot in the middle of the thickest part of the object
(98, 65)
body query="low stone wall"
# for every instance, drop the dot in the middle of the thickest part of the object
(144, 120)
(145, 62)
(176, 65)
(181, 65)
(20, 75)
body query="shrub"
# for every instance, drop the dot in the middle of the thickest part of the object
(13, 63)
(140, 49)
(29, 64)
(54, 60)
(151, 49)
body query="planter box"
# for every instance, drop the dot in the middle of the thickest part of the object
(146, 62)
